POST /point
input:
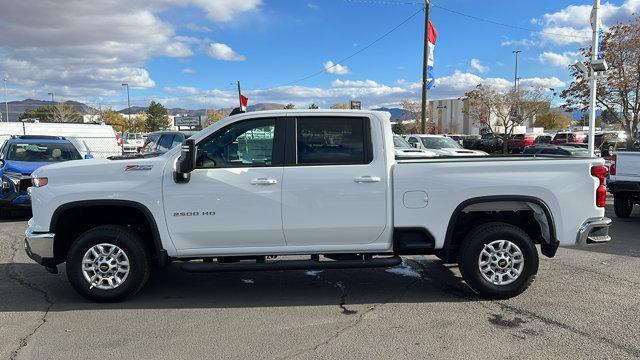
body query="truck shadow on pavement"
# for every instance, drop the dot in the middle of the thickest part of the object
(31, 288)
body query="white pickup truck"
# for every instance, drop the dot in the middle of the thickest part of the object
(316, 183)
(624, 181)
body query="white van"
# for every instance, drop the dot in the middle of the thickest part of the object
(99, 140)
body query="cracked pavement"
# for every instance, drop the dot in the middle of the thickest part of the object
(583, 304)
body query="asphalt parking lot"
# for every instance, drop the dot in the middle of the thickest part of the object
(584, 304)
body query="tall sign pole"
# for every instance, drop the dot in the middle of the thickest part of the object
(239, 96)
(593, 83)
(425, 59)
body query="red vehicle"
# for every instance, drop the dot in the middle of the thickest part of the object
(577, 137)
(518, 142)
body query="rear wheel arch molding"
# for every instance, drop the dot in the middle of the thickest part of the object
(548, 249)
(158, 250)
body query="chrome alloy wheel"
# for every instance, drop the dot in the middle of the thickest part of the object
(105, 266)
(501, 262)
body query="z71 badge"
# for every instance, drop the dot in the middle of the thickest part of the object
(138, 167)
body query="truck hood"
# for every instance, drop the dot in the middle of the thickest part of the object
(94, 168)
(22, 167)
(459, 152)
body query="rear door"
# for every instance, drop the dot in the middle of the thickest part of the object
(334, 189)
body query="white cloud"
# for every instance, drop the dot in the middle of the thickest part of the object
(93, 46)
(561, 60)
(188, 70)
(187, 90)
(477, 66)
(336, 69)
(536, 82)
(519, 43)
(198, 28)
(313, 6)
(222, 51)
(571, 25)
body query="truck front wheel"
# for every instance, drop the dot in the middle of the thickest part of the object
(108, 263)
(622, 206)
(498, 260)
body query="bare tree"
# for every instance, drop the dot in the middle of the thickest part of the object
(340, 106)
(65, 113)
(412, 116)
(619, 86)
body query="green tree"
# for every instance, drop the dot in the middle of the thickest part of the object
(399, 128)
(340, 106)
(61, 113)
(290, 106)
(553, 119)
(314, 106)
(157, 118)
(42, 113)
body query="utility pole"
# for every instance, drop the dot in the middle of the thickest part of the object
(51, 93)
(595, 26)
(6, 104)
(515, 76)
(239, 96)
(128, 113)
(425, 60)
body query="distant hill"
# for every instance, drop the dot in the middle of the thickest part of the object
(16, 108)
(396, 113)
(202, 112)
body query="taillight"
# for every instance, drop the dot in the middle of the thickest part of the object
(118, 140)
(612, 166)
(600, 172)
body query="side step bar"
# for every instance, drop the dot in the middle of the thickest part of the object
(202, 267)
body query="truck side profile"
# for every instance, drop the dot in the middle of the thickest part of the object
(323, 184)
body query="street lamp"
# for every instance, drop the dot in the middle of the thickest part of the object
(515, 77)
(128, 112)
(51, 96)
(6, 104)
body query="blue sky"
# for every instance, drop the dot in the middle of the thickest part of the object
(188, 52)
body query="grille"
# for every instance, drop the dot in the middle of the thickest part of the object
(24, 184)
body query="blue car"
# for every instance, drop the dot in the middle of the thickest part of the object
(20, 156)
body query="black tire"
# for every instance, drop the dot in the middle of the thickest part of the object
(472, 247)
(622, 206)
(125, 239)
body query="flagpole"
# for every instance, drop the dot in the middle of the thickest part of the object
(593, 78)
(425, 59)
(239, 96)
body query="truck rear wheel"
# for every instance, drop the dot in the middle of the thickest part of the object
(498, 260)
(623, 206)
(108, 263)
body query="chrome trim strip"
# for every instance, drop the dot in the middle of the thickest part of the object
(589, 226)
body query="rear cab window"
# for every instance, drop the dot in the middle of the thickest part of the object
(333, 141)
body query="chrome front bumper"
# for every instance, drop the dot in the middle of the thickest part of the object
(39, 246)
(594, 230)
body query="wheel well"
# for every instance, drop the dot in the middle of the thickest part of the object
(70, 221)
(532, 216)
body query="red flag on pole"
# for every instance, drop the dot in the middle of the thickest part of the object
(243, 102)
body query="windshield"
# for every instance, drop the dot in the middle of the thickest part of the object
(33, 151)
(440, 143)
(400, 143)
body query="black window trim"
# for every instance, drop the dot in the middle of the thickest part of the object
(291, 147)
(278, 143)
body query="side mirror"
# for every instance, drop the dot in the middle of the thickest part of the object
(88, 156)
(187, 161)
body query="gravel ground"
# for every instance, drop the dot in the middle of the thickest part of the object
(584, 304)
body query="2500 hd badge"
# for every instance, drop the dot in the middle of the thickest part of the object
(194, 213)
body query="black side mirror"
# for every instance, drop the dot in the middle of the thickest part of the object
(187, 161)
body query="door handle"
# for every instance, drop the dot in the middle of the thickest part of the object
(367, 179)
(264, 181)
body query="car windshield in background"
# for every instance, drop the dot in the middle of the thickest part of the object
(42, 152)
(400, 143)
(440, 143)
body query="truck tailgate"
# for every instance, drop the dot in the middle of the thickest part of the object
(628, 166)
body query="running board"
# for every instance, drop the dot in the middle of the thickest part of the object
(202, 267)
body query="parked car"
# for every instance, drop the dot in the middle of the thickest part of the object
(160, 142)
(518, 142)
(20, 156)
(543, 139)
(404, 150)
(624, 181)
(610, 141)
(132, 142)
(321, 183)
(550, 149)
(491, 143)
(471, 142)
(441, 145)
(577, 137)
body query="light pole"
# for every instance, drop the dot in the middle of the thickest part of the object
(6, 104)
(515, 77)
(51, 97)
(128, 113)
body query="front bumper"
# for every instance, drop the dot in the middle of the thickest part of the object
(593, 231)
(39, 247)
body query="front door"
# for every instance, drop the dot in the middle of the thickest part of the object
(234, 196)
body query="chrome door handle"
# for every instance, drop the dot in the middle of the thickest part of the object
(264, 181)
(367, 179)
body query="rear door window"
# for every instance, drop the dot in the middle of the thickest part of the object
(337, 141)
(165, 142)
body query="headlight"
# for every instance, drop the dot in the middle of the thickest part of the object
(39, 181)
(14, 177)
